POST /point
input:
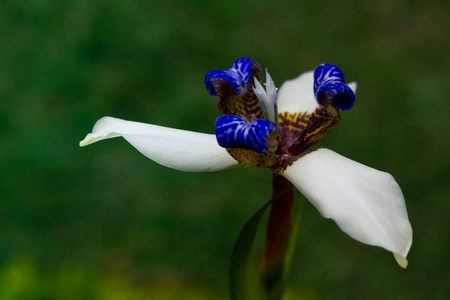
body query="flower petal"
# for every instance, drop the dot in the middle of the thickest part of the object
(336, 93)
(234, 88)
(177, 149)
(330, 87)
(267, 97)
(327, 72)
(297, 95)
(367, 204)
(235, 132)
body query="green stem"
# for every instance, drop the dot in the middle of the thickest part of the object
(279, 228)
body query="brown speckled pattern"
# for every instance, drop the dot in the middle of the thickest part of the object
(246, 106)
(292, 126)
(254, 159)
(251, 158)
(322, 121)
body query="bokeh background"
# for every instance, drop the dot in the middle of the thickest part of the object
(104, 222)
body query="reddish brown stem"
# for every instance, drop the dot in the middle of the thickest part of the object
(278, 230)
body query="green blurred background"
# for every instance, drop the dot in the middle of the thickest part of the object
(104, 222)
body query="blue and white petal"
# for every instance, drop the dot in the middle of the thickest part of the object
(337, 93)
(224, 83)
(297, 95)
(330, 87)
(367, 204)
(325, 73)
(177, 149)
(234, 81)
(235, 132)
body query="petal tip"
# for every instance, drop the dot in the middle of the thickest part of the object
(401, 260)
(354, 86)
(87, 140)
(367, 204)
(93, 138)
(337, 93)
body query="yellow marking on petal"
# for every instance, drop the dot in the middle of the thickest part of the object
(292, 127)
(246, 106)
(322, 121)
(254, 159)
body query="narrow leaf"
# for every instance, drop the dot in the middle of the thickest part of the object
(245, 277)
(245, 281)
(277, 290)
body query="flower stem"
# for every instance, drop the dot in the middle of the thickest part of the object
(278, 231)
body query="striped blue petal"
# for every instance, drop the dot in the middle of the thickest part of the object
(235, 80)
(235, 132)
(245, 68)
(215, 81)
(337, 93)
(330, 87)
(327, 72)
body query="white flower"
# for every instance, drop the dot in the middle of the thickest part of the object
(367, 204)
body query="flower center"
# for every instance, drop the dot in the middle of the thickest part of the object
(254, 133)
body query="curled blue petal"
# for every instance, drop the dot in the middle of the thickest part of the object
(235, 132)
(327, 72)
(237, 79)
(337, 93)
(330, 87)
(245, 68)
(216, 80)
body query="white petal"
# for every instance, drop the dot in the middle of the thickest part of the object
(353, 85)
(259, 91)
(177, 149)
(297, 95)
(367, 204)
(268, 96)
(271, 88)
